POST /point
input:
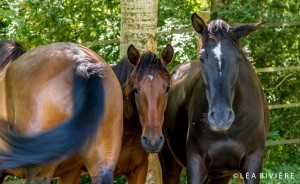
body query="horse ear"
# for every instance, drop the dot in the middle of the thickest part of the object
(167, 54)
(244, 30)
(133, 55)
(198, 23)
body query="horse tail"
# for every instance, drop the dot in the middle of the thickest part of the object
(70, 136)
(9, 51)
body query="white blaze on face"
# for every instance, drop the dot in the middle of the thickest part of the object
(150, 77)
(218, 53)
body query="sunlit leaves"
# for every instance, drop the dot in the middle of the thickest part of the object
(35, 22)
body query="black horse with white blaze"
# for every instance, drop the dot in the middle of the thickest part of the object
(217, 116)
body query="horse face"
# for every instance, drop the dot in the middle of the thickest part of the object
(220, 66)
(220, 57)
(151, 95)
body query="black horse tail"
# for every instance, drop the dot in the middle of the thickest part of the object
(70, 136)
(9, 51)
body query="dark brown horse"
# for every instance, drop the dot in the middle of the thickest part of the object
(55, 97)
(145, 80)
(217, 117)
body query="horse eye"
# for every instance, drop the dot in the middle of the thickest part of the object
(202, 60)
(135, 90)
(167, 89)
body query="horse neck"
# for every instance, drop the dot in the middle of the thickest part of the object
(132, 129)
(247, 75)
(123, 69)
(196, 85)
(3, 107)
(130, 111)
(248, 83)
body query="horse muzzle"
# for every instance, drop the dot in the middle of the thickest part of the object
(220, 121)
(152, 145)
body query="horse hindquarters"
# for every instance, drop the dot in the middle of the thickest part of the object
(67, 138)
(101, 154)
(45, 103)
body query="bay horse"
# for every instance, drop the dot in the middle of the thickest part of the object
(217, 117)
(59, 100)
(145, 81)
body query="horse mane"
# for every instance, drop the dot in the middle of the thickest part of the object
(216, 25)
(122, 70)
(149, 61)
(128, 75)
(9, 51)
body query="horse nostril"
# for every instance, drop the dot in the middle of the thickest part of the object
(144, 138)
(231, 116)
(161, 139)
(211, 117)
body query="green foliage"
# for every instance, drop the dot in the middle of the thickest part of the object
(36, 22)
(11, 178)
(85, 179)
(177, 15)
(281, 174)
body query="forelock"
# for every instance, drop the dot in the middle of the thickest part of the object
(218, 25)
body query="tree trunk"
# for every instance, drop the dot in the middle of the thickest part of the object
(139, 27)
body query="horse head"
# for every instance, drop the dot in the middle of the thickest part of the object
(220, 57)
(150, 82)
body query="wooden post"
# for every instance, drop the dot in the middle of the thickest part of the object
(154, 175)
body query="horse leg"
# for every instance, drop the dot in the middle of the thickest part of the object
(100, 155)
(252, 168)
(72, 177)
(195, 169)
(100, 173)
(171, 170)
(140, 174)
(2, 175)
(37, 175)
